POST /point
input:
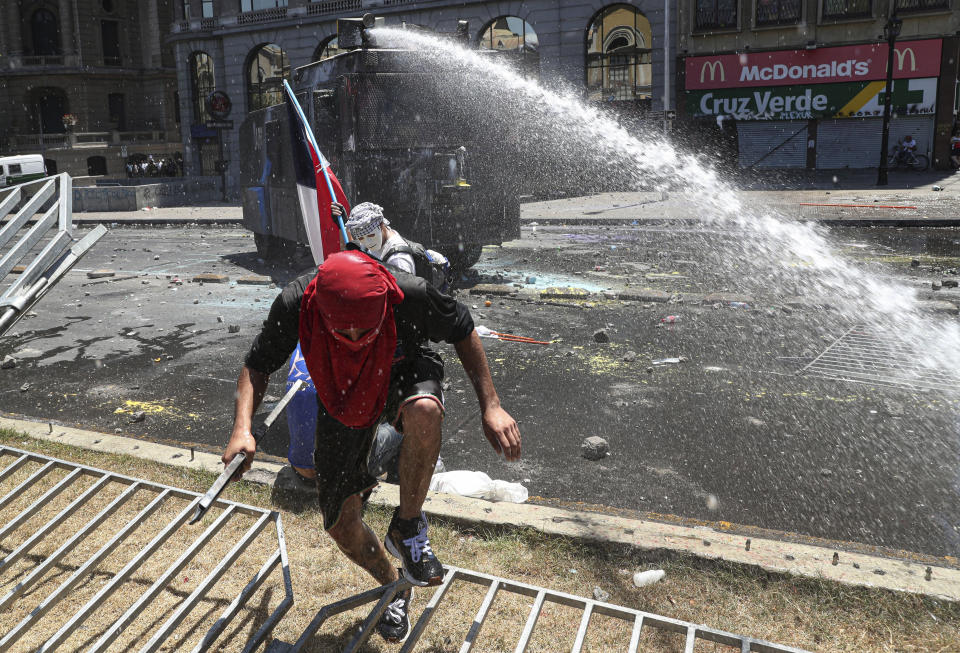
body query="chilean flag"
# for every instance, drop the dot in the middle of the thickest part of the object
(317, 186)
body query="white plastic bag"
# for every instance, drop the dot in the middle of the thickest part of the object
(649, 577)
(477, 485)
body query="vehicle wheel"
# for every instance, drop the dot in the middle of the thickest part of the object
(921, 162)
(463, 259)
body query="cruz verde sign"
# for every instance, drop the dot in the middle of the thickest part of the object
(851, 100)
(841, 82)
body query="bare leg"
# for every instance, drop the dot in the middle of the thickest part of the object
(305, 471)
(360, 544)
(418, 453)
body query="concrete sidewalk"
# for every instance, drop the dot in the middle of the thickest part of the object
(851, 200)
(848, 198)
(773, 551)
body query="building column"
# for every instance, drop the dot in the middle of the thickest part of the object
(66, 29)
(14, 26)
(153, 36)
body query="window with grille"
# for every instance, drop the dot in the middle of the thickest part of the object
(778, 12)
(716, 14)
(202, 83)
(839, 9)
(619, 63)
(267, 67)
(906, 6)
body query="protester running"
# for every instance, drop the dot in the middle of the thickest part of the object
(363, 333)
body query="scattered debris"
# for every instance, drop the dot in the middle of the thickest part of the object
(893, 408)
(196, 301)
(233, 328)
(137, 416)
(25, 387)
(220, 318)
(936, 284)
(600, 335)
(477, 485)
(630, 357)
(670, 319)
(100, 274)
(649, 577)
(600, 595)
(594, 448)
(9, 362)
(670, 361)
(915, 263)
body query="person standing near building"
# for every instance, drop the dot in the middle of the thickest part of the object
(363, 332)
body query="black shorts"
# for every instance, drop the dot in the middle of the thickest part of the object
(340, 454)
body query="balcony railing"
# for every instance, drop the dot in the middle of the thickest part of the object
(261, 16)
(907, 6)
(43, 60)
(778, 12)
(333, 7)
(81, 140)
(841, 9)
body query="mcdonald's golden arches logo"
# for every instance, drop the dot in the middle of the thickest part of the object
(902, 55)
(714, 66)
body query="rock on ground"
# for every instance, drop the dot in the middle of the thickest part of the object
(594, 448)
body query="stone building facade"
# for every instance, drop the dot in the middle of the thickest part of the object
(800, 83)
(87, 83)
(614, 51)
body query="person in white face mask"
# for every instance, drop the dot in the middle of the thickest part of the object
(370, 230)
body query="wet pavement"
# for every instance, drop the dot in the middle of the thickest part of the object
(731, 432)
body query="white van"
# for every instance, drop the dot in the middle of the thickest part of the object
(21, 168)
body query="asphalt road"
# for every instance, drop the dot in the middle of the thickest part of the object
(731, 433)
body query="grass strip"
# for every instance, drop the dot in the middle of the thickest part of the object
(802, 612)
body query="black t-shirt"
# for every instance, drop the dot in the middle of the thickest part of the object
(424, 314)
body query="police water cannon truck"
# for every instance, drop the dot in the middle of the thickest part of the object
(397, 133)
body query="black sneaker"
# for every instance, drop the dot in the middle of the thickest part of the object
(407, 540)
(394, 625)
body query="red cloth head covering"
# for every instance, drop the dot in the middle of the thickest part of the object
(350, 291)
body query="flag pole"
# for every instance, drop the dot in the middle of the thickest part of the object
(296, 105)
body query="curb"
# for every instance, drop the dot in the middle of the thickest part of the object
(831, 222)
(149, 222)
(717, 542)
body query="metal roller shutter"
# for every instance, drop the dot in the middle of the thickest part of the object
(848, 143)
(921, 127)
(773, 144)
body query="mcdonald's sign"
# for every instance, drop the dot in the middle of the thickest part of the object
(843, 64)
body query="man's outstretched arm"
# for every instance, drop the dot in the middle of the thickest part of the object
(251, 386)
(498, 426)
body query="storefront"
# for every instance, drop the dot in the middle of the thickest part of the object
(819, 108)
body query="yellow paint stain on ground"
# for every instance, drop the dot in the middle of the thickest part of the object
(131, 406)
(602, 364)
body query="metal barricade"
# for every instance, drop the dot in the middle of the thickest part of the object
(637, 619)
(49, 611)
(49, 239)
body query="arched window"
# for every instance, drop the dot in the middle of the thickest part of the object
(45, 33)
(267, 68)
(513, 34)
(618, 55)
(328, 47)
(202, 84)
(47, 106)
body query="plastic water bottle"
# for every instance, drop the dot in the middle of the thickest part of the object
(649, 577)
(670, 319)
